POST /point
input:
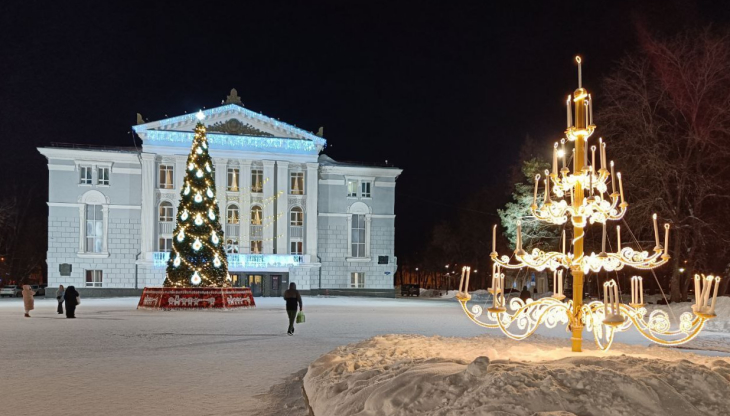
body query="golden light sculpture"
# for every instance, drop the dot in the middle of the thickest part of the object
(581, 195)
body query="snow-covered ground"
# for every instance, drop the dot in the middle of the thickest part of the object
(115, 360)
(415, 375)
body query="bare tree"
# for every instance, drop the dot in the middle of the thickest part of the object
(667, 119)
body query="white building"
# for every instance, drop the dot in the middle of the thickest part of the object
(292, 214)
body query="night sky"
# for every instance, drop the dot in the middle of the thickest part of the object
(445, 90)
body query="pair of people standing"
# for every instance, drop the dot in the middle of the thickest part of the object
(293, 299)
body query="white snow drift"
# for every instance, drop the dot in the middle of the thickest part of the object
(417, 375)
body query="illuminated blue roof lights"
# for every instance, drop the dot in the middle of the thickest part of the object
(232, 142)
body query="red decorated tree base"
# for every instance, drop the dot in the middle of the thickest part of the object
(185, 298)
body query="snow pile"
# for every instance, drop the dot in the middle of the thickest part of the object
(417, 375)
(451, 294)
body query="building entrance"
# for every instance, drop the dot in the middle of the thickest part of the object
(262, 284)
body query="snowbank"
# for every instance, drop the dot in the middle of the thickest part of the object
(417, 375)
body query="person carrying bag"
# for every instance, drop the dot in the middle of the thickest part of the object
(293, 299)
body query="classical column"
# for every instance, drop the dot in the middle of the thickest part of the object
(282, 206)
(269, 197)
(147, 214)
(244, 242)
(368, 222)
(82, 228)
(221, 179)
(311, 215)
(179, 176)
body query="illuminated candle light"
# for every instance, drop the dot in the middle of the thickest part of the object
(494, 238)
(603, 240)
(593, 157)
(519, 235)
(468, 274)
(714, 295)
(618, 237)
(621, 188)
(461, 282)
(563, 241)
(603, 154)
(656, 231)
(574, 161)
(641, 290)
(605, 298)
(569, 116)
(555, 159)
(697, 292)
(547, 190)
(590, 107)
(613, 180)
(534, 197)
(560, 282)
(562, 149)
(666, 238)
(706, 290)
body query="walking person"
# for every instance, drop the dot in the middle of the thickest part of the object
(525, 294)
(28, 300)
(292, 298)
(71, 297)
(59, 297)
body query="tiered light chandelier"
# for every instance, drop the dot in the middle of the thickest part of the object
(581, 195)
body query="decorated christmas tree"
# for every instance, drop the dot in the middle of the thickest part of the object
(198, 258)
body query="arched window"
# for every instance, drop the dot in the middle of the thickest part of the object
(359, 225)
(233, 216)
(256, 215)
(94, 222)
(165, 211)
(296, 217)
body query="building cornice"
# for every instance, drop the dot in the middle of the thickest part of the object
(87, 155)
(361, 171)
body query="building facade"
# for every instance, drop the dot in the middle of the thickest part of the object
(291, 213)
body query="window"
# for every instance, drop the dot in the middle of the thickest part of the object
(103, 177)
(296, 217)
(351, 188)
(233, 179)
(256, 215)
(365, 189)
(94, 229)
(256, 246)
(296, 248)
(256, 230)
(165, 244)
(357, 280)
(165, 177)
(232, 246)
(85, 178)
(165, 212)
(233, 217)
(296, 183)
(257, 180)
(94, 278)
(358, 235)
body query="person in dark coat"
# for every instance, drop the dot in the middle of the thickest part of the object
(70, 296)
(525, 294)
(292, 298)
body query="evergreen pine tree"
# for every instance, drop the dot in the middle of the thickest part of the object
(198, 257)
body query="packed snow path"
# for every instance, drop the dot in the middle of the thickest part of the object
(115, 360)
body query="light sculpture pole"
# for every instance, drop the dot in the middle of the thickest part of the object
(581, 195)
